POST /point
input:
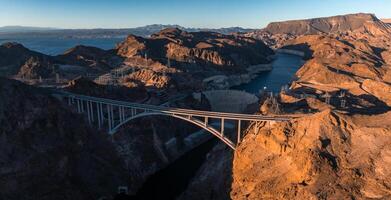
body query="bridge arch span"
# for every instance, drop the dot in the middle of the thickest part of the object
(101, 111)
(194, 121)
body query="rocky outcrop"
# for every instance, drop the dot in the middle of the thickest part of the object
(183, 59)
(325, 156)
(47, 152)
(149, 78)
(94, 58)
(14, 56)
(203, 48)
(339, 65)
(87, 87)
(37, 67)
(379, 89)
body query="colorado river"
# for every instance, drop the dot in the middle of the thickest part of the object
(284, 68)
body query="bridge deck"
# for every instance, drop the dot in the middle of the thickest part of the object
(179, 111)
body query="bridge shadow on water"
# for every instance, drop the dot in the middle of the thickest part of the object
(170, 182)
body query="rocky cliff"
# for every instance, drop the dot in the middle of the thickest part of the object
(325, 156)
(46, 151)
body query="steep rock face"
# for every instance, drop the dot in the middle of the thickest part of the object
(325, 156)
(213, 180)
(200, 47)
(47, 152)
(14, 56)
(149, 78)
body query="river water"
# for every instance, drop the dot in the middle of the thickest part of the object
(284, 68)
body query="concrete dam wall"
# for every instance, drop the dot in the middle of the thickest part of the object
(235, 101)
(291, 51)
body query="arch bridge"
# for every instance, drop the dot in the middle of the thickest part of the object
(113, 114)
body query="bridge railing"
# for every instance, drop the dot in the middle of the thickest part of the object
(102, 110)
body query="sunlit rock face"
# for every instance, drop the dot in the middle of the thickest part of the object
(335, 24)
(327, 155)
(205, 48)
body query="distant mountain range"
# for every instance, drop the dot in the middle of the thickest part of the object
(13, 29)
(20, 31)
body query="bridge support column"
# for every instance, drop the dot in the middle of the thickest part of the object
(98, 114)
(81, 106)
(78, 106)
(92, 111)
(109, 117)
(88, 111)
(101, 114)
(206, 121)
(121, 114)
(222, 127)
(239, 130)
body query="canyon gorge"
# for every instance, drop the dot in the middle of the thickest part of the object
(336, 145)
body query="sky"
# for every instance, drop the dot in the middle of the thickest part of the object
(195, 13)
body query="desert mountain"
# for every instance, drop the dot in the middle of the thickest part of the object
(360, 25)
(21, 29)
(14, 56)
(206, 48)
(335, 24)
(92, 57)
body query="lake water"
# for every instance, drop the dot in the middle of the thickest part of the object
(284, 68)
(55, 46)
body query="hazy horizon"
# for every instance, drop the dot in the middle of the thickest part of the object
(254, 14)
